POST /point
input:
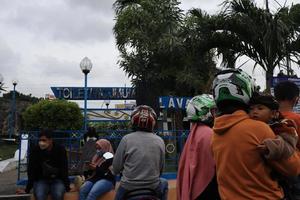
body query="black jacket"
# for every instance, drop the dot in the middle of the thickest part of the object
(103, 172)
(39, 162)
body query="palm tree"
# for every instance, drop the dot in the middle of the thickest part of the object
(1, 84)
(243, 29)
(2, 87)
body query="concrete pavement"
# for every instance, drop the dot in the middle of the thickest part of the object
(8, 182)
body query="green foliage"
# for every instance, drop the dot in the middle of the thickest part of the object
(110, 125)
(2, 87)
(7, 150)
(243, 29)
(156, 54)
(20, 96)
(56, 114)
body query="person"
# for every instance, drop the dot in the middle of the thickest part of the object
(265, 108)
(47, 169)
(140, 156)
(242, 173)
(87, 152)
(196, 172)
(102, 180)
(90, 135)
(281, 74)
(287, 95)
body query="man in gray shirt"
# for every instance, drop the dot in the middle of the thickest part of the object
(140, 156)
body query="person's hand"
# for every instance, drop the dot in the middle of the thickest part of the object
(20, 191)
(262, 149)
(73, 188)
(92, 166)
(87, 163)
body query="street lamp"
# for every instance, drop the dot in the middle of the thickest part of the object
(85, 66)
(107, 102)
(13, 110)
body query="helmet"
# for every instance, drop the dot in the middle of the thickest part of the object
(233, 84)
(198, 108)
(144, 118)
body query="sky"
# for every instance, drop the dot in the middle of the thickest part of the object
(42, 43)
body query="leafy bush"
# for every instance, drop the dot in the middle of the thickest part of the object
(55, 114)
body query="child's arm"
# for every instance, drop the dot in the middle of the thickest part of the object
(284, 145)
(286, 167)
(278, 148)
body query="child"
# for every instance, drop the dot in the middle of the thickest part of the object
(241, 171)
(265, 108)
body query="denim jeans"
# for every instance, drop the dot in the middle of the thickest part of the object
(55, 187)
(91, 191)
(161, 190)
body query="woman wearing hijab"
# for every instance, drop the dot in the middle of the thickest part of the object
(102, 180)
(196, 172)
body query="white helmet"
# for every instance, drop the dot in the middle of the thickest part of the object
(233, 84)
(199, 107)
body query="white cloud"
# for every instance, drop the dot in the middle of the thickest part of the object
(59, 21)
(42, 42)
(9, 59)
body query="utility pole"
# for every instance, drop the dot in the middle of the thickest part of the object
(267, 5)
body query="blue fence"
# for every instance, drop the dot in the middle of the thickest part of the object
(73, 141)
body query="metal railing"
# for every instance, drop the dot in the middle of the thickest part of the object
(73, 141)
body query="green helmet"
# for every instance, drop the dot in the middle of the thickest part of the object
(198, 108)
(233, 84)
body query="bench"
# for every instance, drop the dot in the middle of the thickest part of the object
(111, 195)
(75, 196)
(15, 196)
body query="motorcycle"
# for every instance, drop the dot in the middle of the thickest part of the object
(141, 194)
(138, 194)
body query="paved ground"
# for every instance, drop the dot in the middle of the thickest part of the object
(8, 182)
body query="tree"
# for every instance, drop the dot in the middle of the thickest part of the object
(155, 53)
(56, 115)
(145, 34)
(243, 29)
(2, 87)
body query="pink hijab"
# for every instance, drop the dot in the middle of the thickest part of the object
(196, 166)
(104, 145)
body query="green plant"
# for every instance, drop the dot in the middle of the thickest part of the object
(56, 114)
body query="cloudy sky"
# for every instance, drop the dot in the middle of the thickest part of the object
(43, 41)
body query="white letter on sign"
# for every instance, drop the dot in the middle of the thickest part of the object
(171, 103)
(179, 102)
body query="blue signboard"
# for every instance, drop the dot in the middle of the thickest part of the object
(276, 80)
(94, 93)
(173, 102)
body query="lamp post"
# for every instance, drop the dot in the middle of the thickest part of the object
(107, 102)
(13, 110)
(85, 66)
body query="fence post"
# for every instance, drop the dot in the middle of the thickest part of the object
(19, 160)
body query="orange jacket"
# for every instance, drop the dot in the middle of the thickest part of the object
(296, 118)
(241, 171)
